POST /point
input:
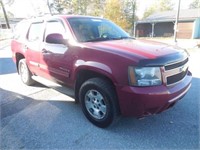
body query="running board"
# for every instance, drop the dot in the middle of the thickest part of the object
(60, 88)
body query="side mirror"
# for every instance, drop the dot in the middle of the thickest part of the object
(55, 38)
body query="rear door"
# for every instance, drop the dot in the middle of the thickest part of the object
(33, 46)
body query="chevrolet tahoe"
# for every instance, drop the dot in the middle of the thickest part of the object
(110, 72)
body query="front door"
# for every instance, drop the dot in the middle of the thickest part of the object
(53, 62)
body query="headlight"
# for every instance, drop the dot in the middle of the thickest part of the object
(144, 76)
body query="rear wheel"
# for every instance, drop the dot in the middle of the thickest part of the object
(98, 101)
(25, 73)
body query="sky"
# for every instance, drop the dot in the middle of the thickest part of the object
(144, 4)
(27, 8)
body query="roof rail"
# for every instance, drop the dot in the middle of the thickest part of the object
(40, 15)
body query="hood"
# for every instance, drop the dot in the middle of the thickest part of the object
(147, 52)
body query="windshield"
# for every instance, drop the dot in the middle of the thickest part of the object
(94, 29)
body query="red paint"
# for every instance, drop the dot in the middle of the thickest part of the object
(109, 58)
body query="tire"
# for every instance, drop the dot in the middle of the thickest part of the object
(98, 102)
(25, 73)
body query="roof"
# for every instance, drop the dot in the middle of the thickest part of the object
(184, 15)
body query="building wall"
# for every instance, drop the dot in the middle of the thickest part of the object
(143, 30)
(164, 29)
(196, 30)
(185, 30)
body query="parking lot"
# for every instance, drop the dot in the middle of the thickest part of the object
(41, 117)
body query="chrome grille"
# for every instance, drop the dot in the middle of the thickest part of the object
(175, 72)
(176, 65)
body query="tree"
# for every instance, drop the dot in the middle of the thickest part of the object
(149, 11)
(159, 6)
(9, 14)
(96, 7)
(130, 10)
(119, 11)
(5, 14)
(70, 6)
(80, 6)
(194, 4)
(165, 5)
(113, 11)
(59, 6)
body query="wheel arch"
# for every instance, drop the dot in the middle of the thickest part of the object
(18, 56)
(84, 73)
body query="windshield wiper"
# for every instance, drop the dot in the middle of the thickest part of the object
(123, 37)
(97, 39)
(108, 38)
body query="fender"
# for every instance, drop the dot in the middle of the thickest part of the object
(95, 67)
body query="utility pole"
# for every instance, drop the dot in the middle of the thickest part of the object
(176, 23)
(5, 15)
(48, 4)
(134, 24)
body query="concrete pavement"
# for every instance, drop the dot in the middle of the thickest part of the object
(4, 43)
(39, 117)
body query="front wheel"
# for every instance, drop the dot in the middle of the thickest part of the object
(25, 73)
(98, 101)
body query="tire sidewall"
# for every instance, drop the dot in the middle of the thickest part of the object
(29, 80)
(107, 99)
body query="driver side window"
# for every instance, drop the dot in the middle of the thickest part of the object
(54, 27)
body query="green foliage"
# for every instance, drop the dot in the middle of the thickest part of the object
(194, 4)
(122, 12)
(159, 6)
(8, 13)
(58, 6)
(165, 5)
(82, 7)
(96, 8)
(8, 2)
(149, 11)
(114, 11)
(130, 10)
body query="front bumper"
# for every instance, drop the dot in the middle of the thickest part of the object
(143, 101)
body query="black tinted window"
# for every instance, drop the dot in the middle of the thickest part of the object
(92, 29)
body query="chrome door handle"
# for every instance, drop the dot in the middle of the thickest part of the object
(45, 51)
(25, 47)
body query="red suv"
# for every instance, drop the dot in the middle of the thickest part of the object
(110, 72)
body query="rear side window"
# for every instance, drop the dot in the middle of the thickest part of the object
(36, 31)
(21, 29)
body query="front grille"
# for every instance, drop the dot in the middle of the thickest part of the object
(176, 65)
(175, 78)
(175, 72)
